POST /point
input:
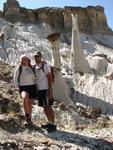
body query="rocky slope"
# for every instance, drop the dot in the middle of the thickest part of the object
(20, 39)
(8, 96)
(94, 131)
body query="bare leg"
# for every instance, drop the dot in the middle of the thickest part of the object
(50, 114)
(30, 108)
(27, 103)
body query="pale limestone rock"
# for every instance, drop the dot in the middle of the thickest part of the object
(78, 62)
(54, 40)
(96, 91)
(61, 90)
(99, 64)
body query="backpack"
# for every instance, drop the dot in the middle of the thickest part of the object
(42, 67)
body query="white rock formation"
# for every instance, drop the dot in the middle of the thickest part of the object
(99, 64)
(77, 59)
(61, 90)
(54, 40)
(96, 91)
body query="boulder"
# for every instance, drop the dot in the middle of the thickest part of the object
(61, 90)
(99, 64)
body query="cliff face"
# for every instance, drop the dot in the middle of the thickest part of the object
(1, 14)
(52, 16)
(11, 6)
(90, 19)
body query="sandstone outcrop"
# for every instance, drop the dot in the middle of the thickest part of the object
(90, 19)
(12, 11)
(1, 14)
(11, 6)
(29, 15)
(52, 16)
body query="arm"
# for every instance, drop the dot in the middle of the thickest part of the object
(16, 74)
(49, 77)
(50, 89)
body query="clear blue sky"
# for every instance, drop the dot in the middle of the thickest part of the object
(107, 4)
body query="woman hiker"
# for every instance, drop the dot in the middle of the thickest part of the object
(24, 81)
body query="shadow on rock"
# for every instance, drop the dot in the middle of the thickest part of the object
(6, 106)
(11, 125)
(81, 140)
(106, 107)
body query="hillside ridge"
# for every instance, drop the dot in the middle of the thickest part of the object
(91, 19)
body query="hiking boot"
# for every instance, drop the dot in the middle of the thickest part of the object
(45, 126)
(49, 126)
(28, 121)
(52, 128)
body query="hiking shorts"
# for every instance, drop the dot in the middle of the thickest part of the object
(43, 99)
(30, 89)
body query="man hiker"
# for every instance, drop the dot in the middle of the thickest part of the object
(45, 94)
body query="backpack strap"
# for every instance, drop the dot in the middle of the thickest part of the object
(43, 63)
(42, 67)
(20, 71)
(33, 69)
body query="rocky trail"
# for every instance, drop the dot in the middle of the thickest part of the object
(14, 135)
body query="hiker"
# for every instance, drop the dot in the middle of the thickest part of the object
(45, 93)
(24, 80)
